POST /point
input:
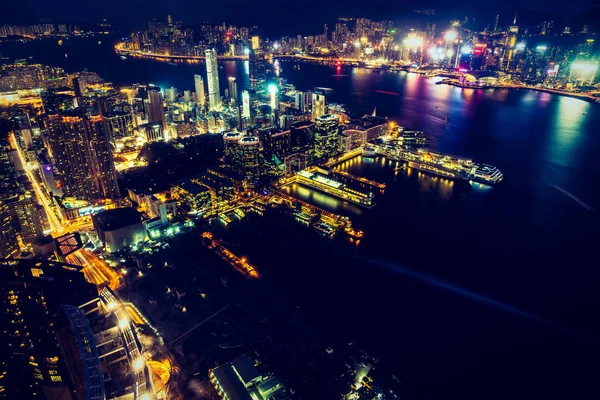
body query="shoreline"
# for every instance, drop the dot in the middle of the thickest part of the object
(347, 62)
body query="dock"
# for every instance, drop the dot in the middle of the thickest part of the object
(359, 179)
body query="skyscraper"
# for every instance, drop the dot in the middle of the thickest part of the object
(9, 246)
(257, 70)
(80, 146)
(212, 76)
(326, 136)
(155, 108)
(318, 105)
(200, 94)
(233, 93)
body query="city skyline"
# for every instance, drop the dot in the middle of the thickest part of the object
(390, 208)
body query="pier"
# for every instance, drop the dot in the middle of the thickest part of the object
(327, 185)
(239, 264)
(359, 179)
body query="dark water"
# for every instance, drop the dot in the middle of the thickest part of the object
(463, 291)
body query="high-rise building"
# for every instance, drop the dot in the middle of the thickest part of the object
(9, 247)
(155, 108)
(255, 42)
(303, 101)
(82, 152)
(326, 136)
(212, 76)
(119, 124)
(249, 155)
(171, 94)
(257, 70)
(319, 105)
(28, 214)
(233, 93)
(200, 94)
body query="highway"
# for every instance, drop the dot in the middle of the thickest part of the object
(53, 214)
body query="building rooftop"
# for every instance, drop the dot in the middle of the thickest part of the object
(117, 218)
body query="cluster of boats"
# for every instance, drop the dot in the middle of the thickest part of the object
(326, 228)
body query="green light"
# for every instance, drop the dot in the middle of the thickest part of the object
(272, 88)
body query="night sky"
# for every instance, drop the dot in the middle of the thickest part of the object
(275, 16)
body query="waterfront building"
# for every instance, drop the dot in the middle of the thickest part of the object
(326, 136)
(82, 152)
(351, 139)
(212, 76)
(200, 93)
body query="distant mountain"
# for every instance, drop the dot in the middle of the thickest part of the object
(590, 17)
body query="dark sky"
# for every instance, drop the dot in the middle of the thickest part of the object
(275, 14)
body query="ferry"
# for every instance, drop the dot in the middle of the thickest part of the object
(123, 58)
(412, 137)
(369, 151)
(484, 173)
(304, 217)
(324, 228)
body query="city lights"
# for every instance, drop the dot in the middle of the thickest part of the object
(450, 36)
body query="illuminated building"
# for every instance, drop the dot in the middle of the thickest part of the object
(510, 44)
(302, 138)
(351, 139)
(152, 132)
(249, 155)
(373, 126)
(233, 92)
(82, 152)
(31, 294)
(28, 214)
(241, 380)
(58, 100)
(155, 108)
(275, 142)
(118, 228)
(247, 104)
(257, 71)
(212, 76)
(583, 72)
(326, 136)
(255, 42)
(170, 94)
(319, 105)
(9, 247)
(191, 195)
(274, 98)
(303, 101)
(199, 86)
(119, 124)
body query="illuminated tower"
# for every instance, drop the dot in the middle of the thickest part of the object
(9, 246)
(326, 136)
(496, 23)
(319, 105)
(212, 76)
(80, 145)
(155, 108)
(200, 94)
(233, 93)
(510, 43)
(257, 70)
